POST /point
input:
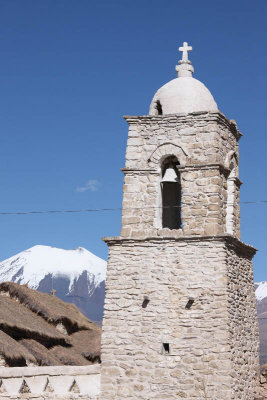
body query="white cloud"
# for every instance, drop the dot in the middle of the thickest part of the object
(91, 185)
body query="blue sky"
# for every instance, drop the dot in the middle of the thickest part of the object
(69, 71)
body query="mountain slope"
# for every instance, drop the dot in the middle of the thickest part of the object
(78, 276)
(261, 297)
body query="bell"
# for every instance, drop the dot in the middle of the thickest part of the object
(170, 175)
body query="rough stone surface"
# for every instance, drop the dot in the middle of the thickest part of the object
(202, 143)
(243, 322)
(196, 335)
(205, 356)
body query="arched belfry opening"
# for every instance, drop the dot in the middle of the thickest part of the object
(171, 194)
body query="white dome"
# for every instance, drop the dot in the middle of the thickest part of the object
(182, 95)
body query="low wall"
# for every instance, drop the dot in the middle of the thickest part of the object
(62, 382)
(263, 387)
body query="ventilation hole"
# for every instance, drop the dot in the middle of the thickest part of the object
(145, 302)
(190, 303)
(166, 348)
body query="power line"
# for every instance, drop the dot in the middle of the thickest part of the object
(253, 202)
(58, 211)
(106, 209)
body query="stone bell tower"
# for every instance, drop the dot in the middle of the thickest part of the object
(180, 316)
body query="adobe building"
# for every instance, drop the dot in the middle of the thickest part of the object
(180, 316)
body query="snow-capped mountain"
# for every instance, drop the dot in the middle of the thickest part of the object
(261, 291)
(78, 276)
(261, 297)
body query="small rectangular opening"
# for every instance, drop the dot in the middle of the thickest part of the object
(190, 302)
(166, 348)
(145, 302)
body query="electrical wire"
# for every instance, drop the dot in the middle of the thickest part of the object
(106, 209)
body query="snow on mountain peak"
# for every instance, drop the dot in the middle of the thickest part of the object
(32, 265)
(261, 291)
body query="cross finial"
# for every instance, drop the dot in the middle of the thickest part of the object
(185, 68)
(185, 49)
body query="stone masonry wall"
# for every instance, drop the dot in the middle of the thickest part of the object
(50, 383)
(203, 136)
(243, 322)
(204, 192)
(202, 143)
(203, 197)
(202, 358)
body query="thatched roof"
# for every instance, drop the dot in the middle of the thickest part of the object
(87, 343)
(43, 356)
(51, 308)
(41, 329)
(68, 356)
(20, 322)
(13, 352)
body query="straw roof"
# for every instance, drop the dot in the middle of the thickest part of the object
(13, 352)
(51, 308)
(19, 322)
(43, 356)
(41, 329)
(87, 343)
(68, 356)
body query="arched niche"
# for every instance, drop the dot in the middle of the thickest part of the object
(167, 150)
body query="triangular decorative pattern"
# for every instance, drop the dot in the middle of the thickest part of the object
(49, 382)
(74, 387)
(24, 387)
(2, 387)
(37, 384)
(61, 384)
(48, 388)
(12, 385)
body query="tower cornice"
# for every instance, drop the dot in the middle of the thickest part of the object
(230, 240)
(217, 116)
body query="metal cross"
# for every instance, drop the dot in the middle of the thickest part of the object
(185, 49)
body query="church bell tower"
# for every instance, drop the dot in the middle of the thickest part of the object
(180, 316)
